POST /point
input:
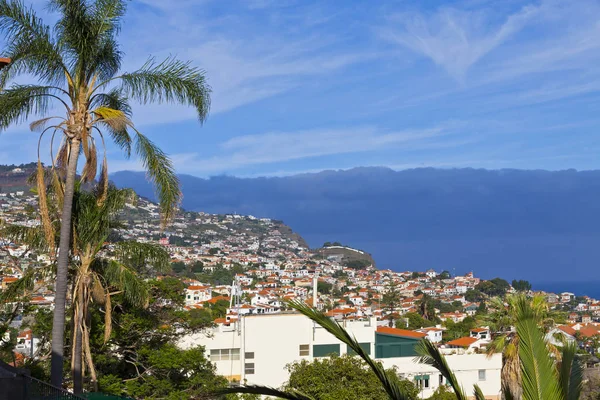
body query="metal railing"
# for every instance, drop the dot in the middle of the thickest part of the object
(40, 390)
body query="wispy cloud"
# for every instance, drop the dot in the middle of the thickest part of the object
(455, 39)
(282, 147)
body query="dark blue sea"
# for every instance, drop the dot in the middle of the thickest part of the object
(588, 288)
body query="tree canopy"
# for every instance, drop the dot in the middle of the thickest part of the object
(340, 378)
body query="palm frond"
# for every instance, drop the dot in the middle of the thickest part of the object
(134, 288)
(429, 354)
(477, 393)
(395, 391)
(17, 288)
(170, 81)
(539, 378)
(43, 205)
(33, 237)
(161, 172)
(19, 102)
(29, 45)
(118, 129)
(139, 255)
(570, 373)
(263, 391)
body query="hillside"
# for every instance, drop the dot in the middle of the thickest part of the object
(528, 224)
(189, 227)
(14, 177)
(347, 256)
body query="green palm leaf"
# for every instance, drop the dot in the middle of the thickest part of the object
(539, 377)
(570, 373)
(169, 81)
(429, 354)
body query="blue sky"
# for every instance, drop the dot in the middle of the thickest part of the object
(304, 86)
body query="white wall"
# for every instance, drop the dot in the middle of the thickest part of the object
(275, 339)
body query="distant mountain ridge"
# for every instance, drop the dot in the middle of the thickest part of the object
(535, 225)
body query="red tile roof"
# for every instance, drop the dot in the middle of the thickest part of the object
(589, 331)
(462, 342)
(400, 332)
(567, 329)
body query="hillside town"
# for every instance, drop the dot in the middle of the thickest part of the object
(252, 267)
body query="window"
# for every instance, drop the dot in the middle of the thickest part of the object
(304, 350)
(249, 355)
(249, 368)
(224, 354)
(325, 350)
(482, 374)
(422, 381)
(441, 380)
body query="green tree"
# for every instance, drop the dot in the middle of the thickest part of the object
(178, 267)
(445, 275)
(340, 378)
(494, 287)
(502, 318)
(521, 285)
(474, 296)
(390, 301)
(97, 278)
(415, 321)
(77, 63)
(324, 287)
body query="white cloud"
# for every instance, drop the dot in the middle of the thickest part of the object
(276, 147)
(455, 39)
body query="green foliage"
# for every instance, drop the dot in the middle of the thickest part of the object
(442, 393)
(357, 264)
(340, 378)
(324, 287)
(455, 330)
(521, 285)
(474, 296)
(178, 267)
(494, 287)
(445, 275)
(415, 321)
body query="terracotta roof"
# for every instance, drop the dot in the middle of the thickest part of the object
(479, 330)
(217, 298)
(589, 331)
(567, 329)
(4, 61)
(462, 342)
(400, 332)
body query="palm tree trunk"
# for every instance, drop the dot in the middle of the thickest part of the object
(77, 351)
(58, 322)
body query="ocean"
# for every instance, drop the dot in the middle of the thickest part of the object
(587, 288)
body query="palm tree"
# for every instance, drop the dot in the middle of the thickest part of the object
(502, 320)
(543, 377)
(99, 276)
(77, 63)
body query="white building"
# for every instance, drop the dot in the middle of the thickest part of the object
(197, 294)
(257, 348)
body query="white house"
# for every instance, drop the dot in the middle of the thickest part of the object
(257, 348)
(197, 294)
(434, 334)
(431, 273)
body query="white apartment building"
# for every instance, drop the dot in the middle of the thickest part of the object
(257, 348)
